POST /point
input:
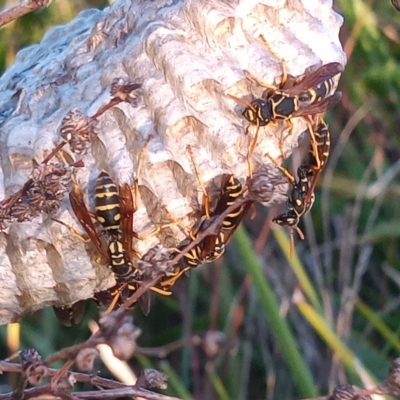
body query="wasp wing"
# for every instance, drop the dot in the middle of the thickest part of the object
(240, 214)
(67, 313)
(318, 107)
(321, 135)
(317, 77)
(79, 207)
(127, 208)
(232, 191)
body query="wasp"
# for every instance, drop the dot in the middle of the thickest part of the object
(213, 246)
(71, 312)
(115, 296)
(300, 201)
(152, 264)
(318, 154)
(308, 95)
(114, 211)
(301, 197)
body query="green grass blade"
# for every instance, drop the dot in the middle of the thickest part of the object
(297, 267)
(379, 325)
(280, 328)
(218, 385)
(349, 359)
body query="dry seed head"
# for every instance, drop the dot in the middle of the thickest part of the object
(183, 100)
(212, 342)
(394, 373)
(77, 130)
(125, 90)
(120, 334)
(68, 382)
(85, 359)
(32, 366)
(268, 185)
(154, 262)
(346, 392)
(22, 211)
(343, 392)
(5, 218)
(151, 378)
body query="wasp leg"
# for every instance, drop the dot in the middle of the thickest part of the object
(61, 156)
(283, 170)
(282, 61)
(171, 281)
(154, 231)
(283, 141)
(301, 236)
(291, 251)
(205, 194)
(113, 303)
(252, 147)
(163, 292)
(176, 222)
(73, 231)
(139, 168)
(272, 88)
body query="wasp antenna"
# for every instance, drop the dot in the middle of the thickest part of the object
(281, 60)
(200, 179)
(242, 101)
(300, 233)
(253, 78)
(291, 251)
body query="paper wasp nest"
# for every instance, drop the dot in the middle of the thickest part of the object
(187, 55)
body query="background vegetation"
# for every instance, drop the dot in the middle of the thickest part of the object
(289, 327)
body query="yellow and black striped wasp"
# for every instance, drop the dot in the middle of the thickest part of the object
(71, 312)
(114, 211)
(213, 246)
(318, 154)
(115, 296)
(301, 196)
(309, 95)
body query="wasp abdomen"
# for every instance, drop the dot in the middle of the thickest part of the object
(107, 203)
(318, 92)
(120, 265)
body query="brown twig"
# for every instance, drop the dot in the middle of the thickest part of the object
(71, 351)
(164, 351)
(16, 12)
(125, 391)
(109, 388)
(79, 377)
